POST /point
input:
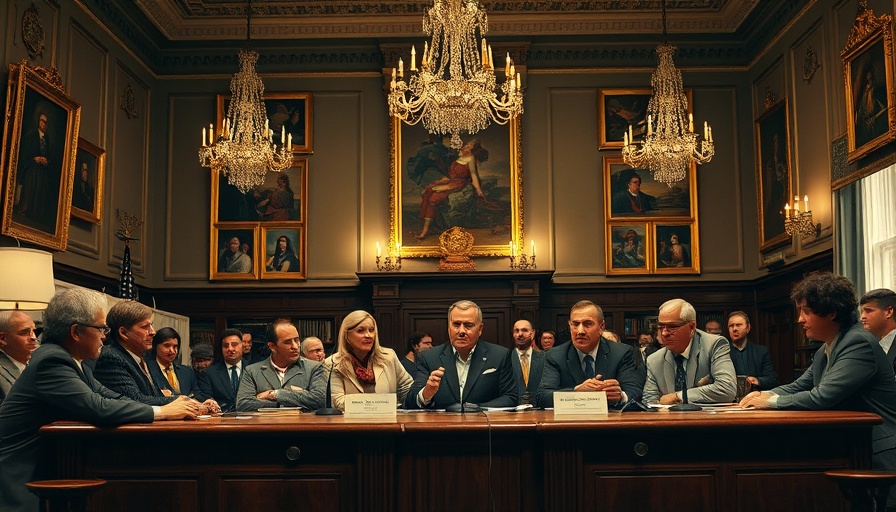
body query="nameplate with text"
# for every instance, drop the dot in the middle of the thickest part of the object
(580, 403)
(370, 404)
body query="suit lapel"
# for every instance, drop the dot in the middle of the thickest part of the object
(296, 370)
(601, 364)
(575, 365)
(270, 374)
(447, 362)
(353, 378)
(670, 368)
(123, 352)
(9, 366)
(693, 360)
(535, 369)
(478, 361)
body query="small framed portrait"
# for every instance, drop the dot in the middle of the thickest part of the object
(87, 192)
(633, 192)
(234, 254)
(283, 252)
(41, 134)
(621, 111)
(773, 174)
(629, 249)
(281, 198)
(868, 72)
(676, 248)
(289, 114)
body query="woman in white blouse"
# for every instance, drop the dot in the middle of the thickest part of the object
(362, 365)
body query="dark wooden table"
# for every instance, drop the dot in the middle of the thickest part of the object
(714, 461)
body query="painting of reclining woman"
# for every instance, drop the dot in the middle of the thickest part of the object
(474, 187)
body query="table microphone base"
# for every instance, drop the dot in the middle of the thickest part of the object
(328, 411)
(685, 407)
(462, 408)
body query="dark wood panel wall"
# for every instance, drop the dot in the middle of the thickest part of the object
(404, 302)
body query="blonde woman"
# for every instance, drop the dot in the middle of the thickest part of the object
(362, 365)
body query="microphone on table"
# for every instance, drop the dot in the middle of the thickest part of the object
(329, 410)
(685, 406)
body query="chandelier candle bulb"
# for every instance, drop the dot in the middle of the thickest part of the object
(400, 68)
(491, 61)
(519, 82)
(507, 65)
(691, 123)
(796, 204)
(203, 135)
(533, 248)
(379, 251)
(625, 139)
(289, 141)
(413, 58)
(806, 203)
(631, 138)
(649, 126)
(283, 134)
(787, 211)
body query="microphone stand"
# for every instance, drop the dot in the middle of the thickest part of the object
(329, 410)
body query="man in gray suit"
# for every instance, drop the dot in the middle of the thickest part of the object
(284, 379)
(849, 372)
(589, 363)
(17, 341)
(528, 363)
(690, 359)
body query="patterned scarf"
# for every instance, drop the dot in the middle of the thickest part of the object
(364, 374)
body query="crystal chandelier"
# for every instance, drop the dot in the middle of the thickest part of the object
(671, 143)
(244, 150)
(455, 90)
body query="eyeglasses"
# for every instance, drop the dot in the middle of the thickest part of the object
(671, 327)
(104, 329)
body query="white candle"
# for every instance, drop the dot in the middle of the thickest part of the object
(533, 248)
(806, 205)
(491, 61)
(211, 134)
(378, 250)
(787, 210)
(649, 127)
(400, 68)
(507, 65)
(631, 137)
(519, 82)
(705, 130)
(203, 135)
(289, 141)
(425, 57)
(624, 139)
(691, 123)
(710, 134)
(413, 58)
(796, 204)
(283, 134)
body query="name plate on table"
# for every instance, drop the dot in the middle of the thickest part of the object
(580, 403)
(370, 404)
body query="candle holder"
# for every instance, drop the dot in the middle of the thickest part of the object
(802, 223)
(522, 262)
(389, 264)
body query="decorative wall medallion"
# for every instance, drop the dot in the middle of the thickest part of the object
(770, 98)
(810, 64)
(33, 32)
(129, 102)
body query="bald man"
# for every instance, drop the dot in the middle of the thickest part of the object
(17, 341)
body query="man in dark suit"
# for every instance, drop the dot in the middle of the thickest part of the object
(850, 371)
(177, 378)
(631, 201)
(589, 363)
(464, 371)
(284, 379)
(528, 363)
(17, 341)
(750, 359)
(121, 366)
(56, 386)
(221, 380)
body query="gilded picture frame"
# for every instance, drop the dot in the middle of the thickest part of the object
(234, 252)
(87, 190)
(288, 112)
(39, 169)
(279, 203)
(629, 248)
(773, 174)
(420, 186)
(650, 199)
(621, 108)
(869, 85)
(676, 247)
(278, 262)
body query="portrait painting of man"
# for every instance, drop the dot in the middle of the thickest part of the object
(634, 193)
(234, 256)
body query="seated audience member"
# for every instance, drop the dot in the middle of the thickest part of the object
(486, 367)
(17, 341)
(647, 344)
(284, 379)
(547, 340)
(879, 319)
(713, 327)
(121, 366)
(689, 357)
(55, 386)
(313, 349)
(201, 357)
(361, 365)
(247, 347)
(221, 380)
(749, 359)
(849, 372)
(419, 342)
(528, 363)
(610, 336)
(589, 363)
(168, 374)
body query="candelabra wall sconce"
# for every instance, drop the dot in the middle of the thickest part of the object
(522, 261)
(392, 262)
(796, 221)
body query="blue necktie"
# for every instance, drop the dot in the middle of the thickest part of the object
(680, 373)
(234, 380)
(589, 366)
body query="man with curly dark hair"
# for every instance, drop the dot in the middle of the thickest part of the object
(849, 372)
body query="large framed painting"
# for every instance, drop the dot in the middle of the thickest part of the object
(435, 187)
(282, 197)
(40, 143)
(632, 192)
(289, 113)
(283, 252)
(234, 252)
(629, 249)
(621, 111)
(87, 191)
(868, 74)
(676, 248)
(773, 174)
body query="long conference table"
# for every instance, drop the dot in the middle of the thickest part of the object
(504, 461)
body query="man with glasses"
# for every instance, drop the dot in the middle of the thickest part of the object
(590, 363)
(17, 340)
(57, 386)
(690, 359)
